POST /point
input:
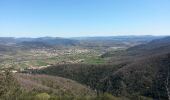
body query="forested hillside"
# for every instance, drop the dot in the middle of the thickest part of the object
(144, 75)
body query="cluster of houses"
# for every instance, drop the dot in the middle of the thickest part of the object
(57, 52)
(52, 53)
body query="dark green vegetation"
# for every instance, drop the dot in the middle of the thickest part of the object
(85, 74)
(121, 68)
(146, 73)
(43, 87)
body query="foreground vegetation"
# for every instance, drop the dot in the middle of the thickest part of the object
(11, 89)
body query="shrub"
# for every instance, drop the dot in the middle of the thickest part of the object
(43, 96)
(9, 87)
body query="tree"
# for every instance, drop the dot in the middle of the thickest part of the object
(167, 85)
(9, 87)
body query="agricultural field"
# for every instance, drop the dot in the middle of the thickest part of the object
(46, 57)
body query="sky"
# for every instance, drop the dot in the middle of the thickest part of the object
(76, 18)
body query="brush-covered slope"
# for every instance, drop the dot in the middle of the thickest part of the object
(147, 76)
(156, 46)
(147, 72)
(53, 85)
(90, 75)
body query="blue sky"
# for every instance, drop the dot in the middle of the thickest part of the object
(74, 18)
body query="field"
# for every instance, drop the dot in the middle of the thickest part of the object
(41, 58)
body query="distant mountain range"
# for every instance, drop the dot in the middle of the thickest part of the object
(47, 42)
(43, 42)
(120, 38)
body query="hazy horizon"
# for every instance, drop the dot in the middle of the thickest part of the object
(28, 36)
(86, 36)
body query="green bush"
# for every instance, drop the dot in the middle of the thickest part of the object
(42, 96)
(107, 96)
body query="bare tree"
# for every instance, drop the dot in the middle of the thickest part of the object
(167, 85)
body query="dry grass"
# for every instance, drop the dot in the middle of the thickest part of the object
(53, 84)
